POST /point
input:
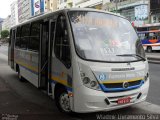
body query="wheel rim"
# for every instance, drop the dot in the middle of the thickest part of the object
(64, 102)
(149, 49)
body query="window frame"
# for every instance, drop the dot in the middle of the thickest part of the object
(68, 38)
(19, 37)
(28, 37)
(31, 36)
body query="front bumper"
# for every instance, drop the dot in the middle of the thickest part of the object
(89, 100)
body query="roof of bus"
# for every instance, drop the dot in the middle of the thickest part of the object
(149, 25)
(43, 15)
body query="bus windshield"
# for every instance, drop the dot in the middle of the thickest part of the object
(103, 37)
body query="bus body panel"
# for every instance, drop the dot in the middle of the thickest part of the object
(89, 100)
(28, 65)
(155, 44)
(61, 75)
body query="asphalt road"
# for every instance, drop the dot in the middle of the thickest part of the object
(4, 49)
(26, 102)
(154, 92)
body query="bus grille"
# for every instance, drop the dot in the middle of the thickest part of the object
(119, 86)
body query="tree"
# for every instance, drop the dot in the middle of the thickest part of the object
(4, 33)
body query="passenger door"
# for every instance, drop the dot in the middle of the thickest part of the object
(61, 70)
(43, 65)
(11, 48)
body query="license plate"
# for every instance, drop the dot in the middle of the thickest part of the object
(124, 100)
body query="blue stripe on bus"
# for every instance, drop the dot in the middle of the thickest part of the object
(28, 69)
(146, 41)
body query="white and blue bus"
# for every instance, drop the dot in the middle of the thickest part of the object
(88, 60)
(150, 36)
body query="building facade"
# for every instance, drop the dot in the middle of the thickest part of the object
(24, 10)
(136, 11)
(42, 6)
(14, 13)
(155, 11)
(37, 7)
(65, 4)
(6, 25)
(96, 4)
(50, 5)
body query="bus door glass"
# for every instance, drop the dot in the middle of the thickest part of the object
(12, 48)
(9, 48)
(61, 70)
(44, 55)
(153, 36)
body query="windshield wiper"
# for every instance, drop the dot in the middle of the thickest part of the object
(132, 55)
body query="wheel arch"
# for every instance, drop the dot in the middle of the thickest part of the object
(56, 87)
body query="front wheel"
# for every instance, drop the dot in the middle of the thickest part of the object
(63, 101)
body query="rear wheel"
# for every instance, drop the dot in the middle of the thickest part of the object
(149, 49)
(63, 101)
(20, 76)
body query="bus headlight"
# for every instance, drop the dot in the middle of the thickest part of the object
(88, 82)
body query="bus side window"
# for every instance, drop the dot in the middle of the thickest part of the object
(10, 37)
(18, 39)
(25, 36)
(146, 35)
(62, 46)
(13, 37)
(154, 37)
(34, 37)
(158, 35)
(52, 34)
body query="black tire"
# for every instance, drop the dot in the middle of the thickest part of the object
(58, 99)
(149, 49)
(20, 76)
